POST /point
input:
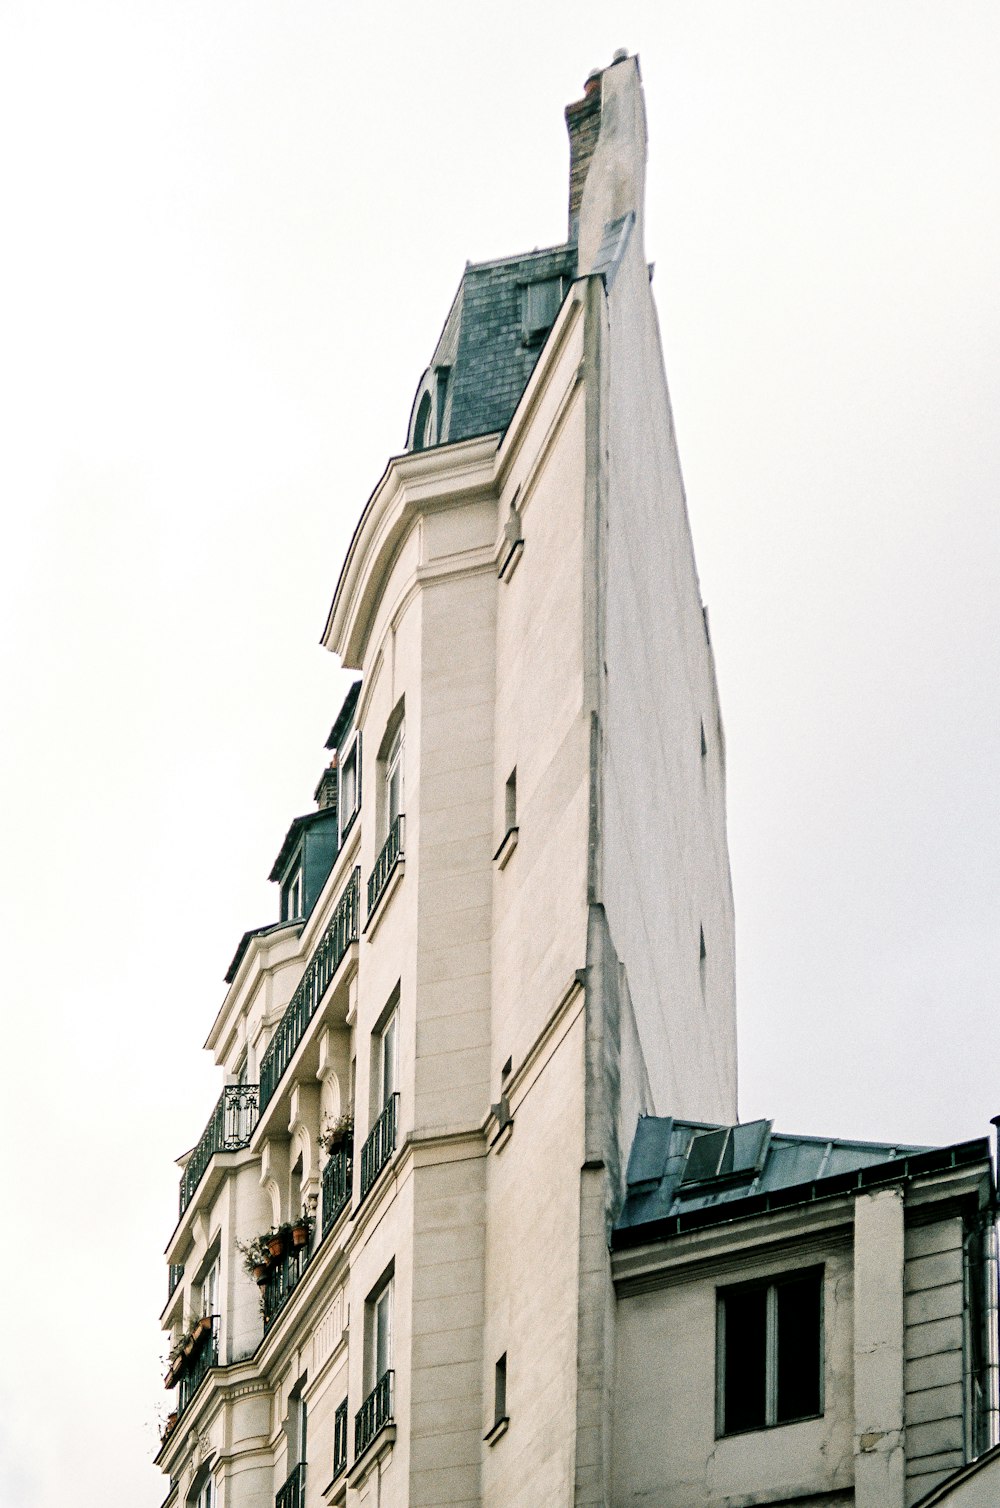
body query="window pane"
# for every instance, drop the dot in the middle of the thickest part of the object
(799, 1347)
(383, 1337)
(389, 1061)
(745, 1385)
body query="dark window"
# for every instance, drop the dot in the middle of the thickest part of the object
(510, 801)
(500, 1390)
(539, 307)
(770, 1352)
(422, 428)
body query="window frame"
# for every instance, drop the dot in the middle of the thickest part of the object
(291, 895)
(770, 1285)
(379, 1309)
(350, 757)
(394, 767)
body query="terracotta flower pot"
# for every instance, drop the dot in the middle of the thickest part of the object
(300, 1235)
(260, 1272)
(262, 1284)
(276, 1245)
(189, 1346)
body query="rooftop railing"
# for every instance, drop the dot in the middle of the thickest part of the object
(389, 856)
(380, 1145)
(292, 1492)
(323, 964)
(228, 1130)
(340, 1440)
(282, 1281)
(204, 1358)
(338, 1176)
(373, 1415)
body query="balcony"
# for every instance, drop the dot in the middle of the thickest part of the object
(228, 1130)
(292, 1492)
(340, 1440)
(380, 1145)
(373, 1415)
(338, 1176)
(282, 1281)
(200, 1364)
(389, 856)
(322, 965)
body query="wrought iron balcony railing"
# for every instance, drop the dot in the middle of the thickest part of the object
(340, 1440)
(229, 1128)
(338, 1176)
(389, 856)
(292, 1492)
(282, 1281)
(173, 1281)
(322, 965)
(204, 1359)
(373, 1415)
(380, 1145)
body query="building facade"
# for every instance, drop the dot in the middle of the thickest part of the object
(405, 1266)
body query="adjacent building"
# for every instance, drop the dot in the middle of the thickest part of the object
(422, 1256)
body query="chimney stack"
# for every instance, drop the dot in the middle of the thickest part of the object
(325, 794)
(583, 122)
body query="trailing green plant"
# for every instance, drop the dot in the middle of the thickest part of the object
(336, 1132)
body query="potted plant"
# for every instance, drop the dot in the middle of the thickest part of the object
(256, 1257)
(336, 1132)
(188, 1344)
(301, 1228)
(275, 1239)
(202, 1329)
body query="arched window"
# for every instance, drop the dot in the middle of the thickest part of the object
(422, 428)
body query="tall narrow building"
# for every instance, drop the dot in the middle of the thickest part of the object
(504, 933)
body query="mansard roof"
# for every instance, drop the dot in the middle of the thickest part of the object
(484, 352)
(684, 1174)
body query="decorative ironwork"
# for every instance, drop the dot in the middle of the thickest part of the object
(204, 1359)
(374, 1414)
(389, 857)
(292, 1492)
(173, 1281)
(322, 965)
(340, 1440)
(380, 1145)
(282, 1281)
(338, 1176)
(228, 1130)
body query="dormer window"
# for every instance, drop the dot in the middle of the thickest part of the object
(291, 896)
(539, 306)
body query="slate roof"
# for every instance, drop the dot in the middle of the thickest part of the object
(482, 345)
(760, 1170)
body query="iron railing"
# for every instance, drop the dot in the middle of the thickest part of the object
(204, 1358)
(389, 856)
(323, 964)
(173, 1281)
(292, 1492)
(338, 1176)
(373, 1415)
(340, 1440)
(282, 1281)
(228, 1130)
(380, 1145)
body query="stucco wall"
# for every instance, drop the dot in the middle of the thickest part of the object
(933, 1309)
(664, 1445)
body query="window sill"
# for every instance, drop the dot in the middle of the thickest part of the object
(498, 1431)
(388, 890)
(507, 847)
(510, 561)
(379, 1447)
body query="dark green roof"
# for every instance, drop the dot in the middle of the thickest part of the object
(685, 1174)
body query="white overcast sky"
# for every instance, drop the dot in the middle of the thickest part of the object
(231, 232)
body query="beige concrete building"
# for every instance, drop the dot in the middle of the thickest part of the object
(504, 934)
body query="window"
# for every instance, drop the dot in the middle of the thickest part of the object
(539, 307)
(210, 1290)
(350, 786)
(510, 801)
(386, 1064)
(770, 1352)
(500, 1390)
(422, 428)
(205, 1497)
(378, 1332)
(291, 896)
(394, 779)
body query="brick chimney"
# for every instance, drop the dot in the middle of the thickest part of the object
(583, 122)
